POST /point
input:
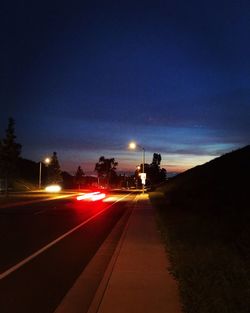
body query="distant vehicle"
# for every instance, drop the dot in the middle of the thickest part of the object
(53, 188)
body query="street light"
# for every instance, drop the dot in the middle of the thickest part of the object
(46, 161)
(133, 145)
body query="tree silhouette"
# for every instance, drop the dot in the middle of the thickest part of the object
(106, 168)
(54, 170)
(9, 154)
(155, 174)
(156, 159)
(79, 176)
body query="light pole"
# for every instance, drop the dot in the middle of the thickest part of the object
(133, 145)
(46, 161)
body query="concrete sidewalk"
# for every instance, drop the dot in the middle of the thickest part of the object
(137, 279)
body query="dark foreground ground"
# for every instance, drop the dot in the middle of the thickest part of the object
(204, 216)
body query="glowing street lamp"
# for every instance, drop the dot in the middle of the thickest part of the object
(46, 161)
(133, 145)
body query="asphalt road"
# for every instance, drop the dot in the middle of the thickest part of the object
(46, 245)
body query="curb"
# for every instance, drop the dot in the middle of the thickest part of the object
(97, 300)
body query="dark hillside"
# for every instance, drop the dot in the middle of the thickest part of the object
(222, 181)
(204, 215)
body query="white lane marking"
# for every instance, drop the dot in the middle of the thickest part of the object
(23, 262)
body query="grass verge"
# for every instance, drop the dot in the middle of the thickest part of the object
(209, 250)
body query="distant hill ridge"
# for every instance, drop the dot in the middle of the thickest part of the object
(221, 180)
(231, 164)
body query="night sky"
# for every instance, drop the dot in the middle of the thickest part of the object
(83, 78)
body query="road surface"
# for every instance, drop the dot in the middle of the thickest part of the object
(46, 245)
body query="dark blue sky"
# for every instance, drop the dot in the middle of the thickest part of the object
(83, 78)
